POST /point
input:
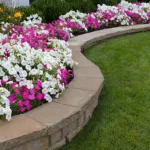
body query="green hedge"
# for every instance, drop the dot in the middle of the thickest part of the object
(113, 2)
(52, 9)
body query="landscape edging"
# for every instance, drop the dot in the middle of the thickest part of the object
(54, 124)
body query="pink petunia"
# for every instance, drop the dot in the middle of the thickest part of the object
(13, 84)
(37, 87)
(31, 97)
(22, 109)
(17, 91)
(39, 96)
(11, 98)
(20, 103)
(25, 95)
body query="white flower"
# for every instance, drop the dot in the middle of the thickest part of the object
(23, 62)
(48, 98)
(32, 20)
(40, 66)
(45, 90)
(46, 84)
(5, 78)
(4, 103)
(52, 91)
(28, 67)
(34, 72)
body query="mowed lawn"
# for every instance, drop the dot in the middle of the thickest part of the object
(122, 119)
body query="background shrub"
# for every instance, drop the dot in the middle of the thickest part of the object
(52, 9)
(85, 6)
(110, 2)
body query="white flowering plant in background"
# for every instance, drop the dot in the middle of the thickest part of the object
(75, 17)
(32, 20)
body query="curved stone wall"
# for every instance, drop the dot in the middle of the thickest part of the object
(54, 124)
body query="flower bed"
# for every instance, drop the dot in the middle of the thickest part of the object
(35, 66)
(36, 63)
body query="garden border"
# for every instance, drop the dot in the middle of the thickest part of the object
(54, 124)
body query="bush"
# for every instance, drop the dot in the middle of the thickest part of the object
(110, 2)
(52, 9)
(85, 6)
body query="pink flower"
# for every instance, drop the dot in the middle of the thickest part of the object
(133, 22)
(11, 98)
(22, 109)
(20, 103)
(13, 84)
(25, 95)
(37, 87)
(3, 82)
(39, 82)
(17, 91)
(32, 91)
(31, 97)
(39, 96)
(27, 104)
(24, 88)
(115, 23)
(45, 66)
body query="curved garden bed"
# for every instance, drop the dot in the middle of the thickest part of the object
(35, 70)
(40, 130)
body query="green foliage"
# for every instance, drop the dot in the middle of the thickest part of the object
(52, 9)
(109, 2)
(31, 1)
(85, 6)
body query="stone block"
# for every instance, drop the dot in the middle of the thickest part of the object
(72, 135)
(55, 137)
(54, 115)
(85, 83)
(82, 60)
(69, 128)
(76, 97)
(21, 129)
(88, 72)
(39, 144)
(58, 144)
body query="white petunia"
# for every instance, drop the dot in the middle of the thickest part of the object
(48, 98)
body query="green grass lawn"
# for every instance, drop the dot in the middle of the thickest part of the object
(122, 118)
